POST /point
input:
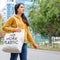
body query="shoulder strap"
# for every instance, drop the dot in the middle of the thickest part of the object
(15, 20)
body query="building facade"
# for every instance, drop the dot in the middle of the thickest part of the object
(10, 7)
(3, 9)
(11, 3)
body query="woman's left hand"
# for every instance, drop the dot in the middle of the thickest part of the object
(35, 46)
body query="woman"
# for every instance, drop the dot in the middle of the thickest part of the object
(11, 26)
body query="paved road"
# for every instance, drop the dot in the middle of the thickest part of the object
(34, 55)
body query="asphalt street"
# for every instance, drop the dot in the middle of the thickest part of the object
(34, 55)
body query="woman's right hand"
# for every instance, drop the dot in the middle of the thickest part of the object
(18, 30)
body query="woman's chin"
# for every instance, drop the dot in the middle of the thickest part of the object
(23, 13)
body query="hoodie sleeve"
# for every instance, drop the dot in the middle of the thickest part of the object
(29, 36)
(7, 25)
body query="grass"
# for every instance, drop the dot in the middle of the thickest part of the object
(51, 48)
(44, 47)
(1, 43)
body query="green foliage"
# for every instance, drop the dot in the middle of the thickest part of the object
(45, 18)
(1, 21)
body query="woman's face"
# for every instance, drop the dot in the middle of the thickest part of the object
(21, 9)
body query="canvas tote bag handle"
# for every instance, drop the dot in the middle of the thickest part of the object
(16, 20)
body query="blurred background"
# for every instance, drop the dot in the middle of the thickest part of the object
(44, 19)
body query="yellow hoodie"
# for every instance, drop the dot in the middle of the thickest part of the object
(10, 26)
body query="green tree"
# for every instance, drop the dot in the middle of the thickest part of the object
(1, 18)
(45, 17)
(1, 22)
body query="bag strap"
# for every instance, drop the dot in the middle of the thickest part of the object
(17, 23)
(15, 20)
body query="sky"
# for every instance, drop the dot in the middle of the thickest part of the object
(2, 4)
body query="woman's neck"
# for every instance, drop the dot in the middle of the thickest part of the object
(19, 15)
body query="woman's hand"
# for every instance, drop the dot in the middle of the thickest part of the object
(18, 30)
(35, 46)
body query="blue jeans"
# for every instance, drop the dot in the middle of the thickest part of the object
(23, 55)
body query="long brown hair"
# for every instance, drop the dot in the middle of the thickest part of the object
(23, 16)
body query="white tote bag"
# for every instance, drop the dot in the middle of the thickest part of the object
(13, 42)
